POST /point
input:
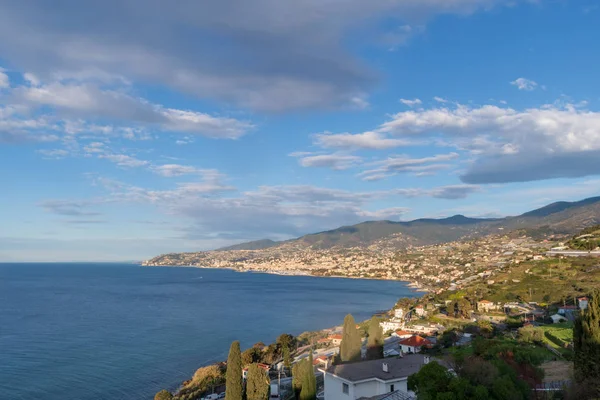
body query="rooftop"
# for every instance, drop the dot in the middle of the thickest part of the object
(415, 341)
(396, 395)
(373, 369)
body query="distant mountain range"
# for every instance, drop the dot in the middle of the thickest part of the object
(559, 218)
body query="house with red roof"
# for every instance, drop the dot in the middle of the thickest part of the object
(414, 344)
(583, 302)
(402, 334)
(335, 339)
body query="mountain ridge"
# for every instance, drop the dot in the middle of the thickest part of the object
(557, 217)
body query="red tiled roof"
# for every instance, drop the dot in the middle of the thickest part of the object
(415, 341)
(401, 333)
(335, 337)
(568, 307)
(485, 301)
(582, 298)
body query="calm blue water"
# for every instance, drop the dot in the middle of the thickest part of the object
(119, 331)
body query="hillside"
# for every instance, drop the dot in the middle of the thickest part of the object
(562, 218)
(254, 245)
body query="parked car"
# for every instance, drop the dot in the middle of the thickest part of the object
(221, 395)
(212, 396)
(321, 396)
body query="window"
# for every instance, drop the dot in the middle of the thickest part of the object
(345, 388)
(391, 388)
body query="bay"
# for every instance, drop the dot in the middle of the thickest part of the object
(122, 331)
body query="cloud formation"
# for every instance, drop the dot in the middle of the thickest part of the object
(266, 50)
(405, 164)
(553, 141)
(524, 84)
(334, 161)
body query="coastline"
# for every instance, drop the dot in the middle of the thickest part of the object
(414, 285)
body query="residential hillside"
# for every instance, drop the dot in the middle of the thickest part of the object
(433, 253)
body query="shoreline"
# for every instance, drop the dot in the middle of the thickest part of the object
(414, 285)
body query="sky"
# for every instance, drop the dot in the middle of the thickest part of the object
(131, 128)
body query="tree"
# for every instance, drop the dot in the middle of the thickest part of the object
(375, 341)
(431, 380)
(287, 343)
(309, 382)
(351, 343)
(251, 355)
(234, 388)
(297, 375)
(462, 308)
(257, 384)
(586, 340)
(163, 395)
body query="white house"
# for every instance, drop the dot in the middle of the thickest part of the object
(371, 378)
(420, 311)
(402, 334)
(583, 302)
(556, 318)
(413, 344)
(398, 313)
(391, 325)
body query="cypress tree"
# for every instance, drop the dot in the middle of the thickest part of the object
(234, 388)
(309, 382)
(351, 344)
(297, 377)
(375, 341)
(257, 384)
(586, 340)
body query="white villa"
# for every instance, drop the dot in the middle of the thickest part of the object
(369, 379)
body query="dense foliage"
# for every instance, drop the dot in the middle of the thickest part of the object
(375, 341)
(257, 384)
(351, 344)
(586, 337)
(234, 388)
(496, 369)
(163, 395)
(309, 381)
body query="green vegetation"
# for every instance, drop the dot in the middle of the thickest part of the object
(586, 335)
(234, 389)
(285, 342)
(204, 380)
(257, 384)
(497, 369)
(309, 382)
(587, 240)
(163, 395)
(351, 344)
(251, 355)
(375, 341)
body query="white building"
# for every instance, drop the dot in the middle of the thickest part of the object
(583, 302)
(371, 378)
(414, 344)
(398, 313)
(391, 325)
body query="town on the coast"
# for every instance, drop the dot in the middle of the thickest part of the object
(507, 315)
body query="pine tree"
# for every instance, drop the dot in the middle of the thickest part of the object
(257, 384)
(586, 340)
(351, 343)
(234, 388)
(375, 341)
(309, 382)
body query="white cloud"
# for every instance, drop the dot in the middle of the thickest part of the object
(366, 140)
(440, 99)
(54, 153)
(405, 164)
(556, 140)
(300, 45)
(524, 84)
(171, 170)
(411, 103)
(90, 102)
(333, 161)
(4, 80)
(123, 160)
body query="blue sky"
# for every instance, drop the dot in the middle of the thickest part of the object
(130, 128)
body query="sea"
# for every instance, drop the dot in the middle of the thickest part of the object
(122, 331)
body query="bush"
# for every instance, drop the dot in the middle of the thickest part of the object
(163, 395)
